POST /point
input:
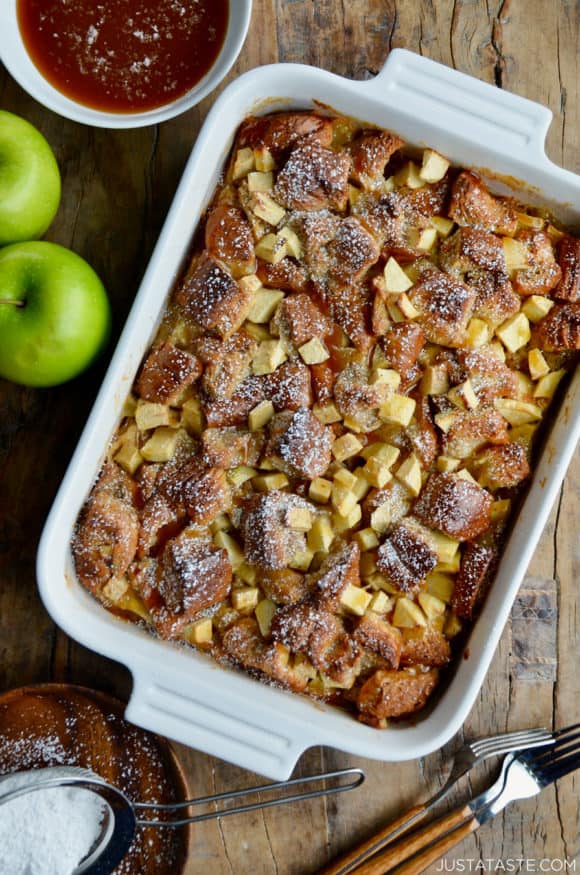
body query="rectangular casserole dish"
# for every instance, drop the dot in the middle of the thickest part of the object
(181, 693)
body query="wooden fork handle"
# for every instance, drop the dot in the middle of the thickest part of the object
(349, 861)
(396, 857)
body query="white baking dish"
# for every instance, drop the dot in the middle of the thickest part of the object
(183, 694)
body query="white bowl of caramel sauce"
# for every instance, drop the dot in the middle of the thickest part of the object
(121, 63)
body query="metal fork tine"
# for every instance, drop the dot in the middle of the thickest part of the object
(516, 739)
(557, 749)
(559, 768)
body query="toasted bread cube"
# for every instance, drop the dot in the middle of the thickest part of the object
(299, 518)
(434, 166)
(264, 612)
(271, 248)
(381, 518)
(447, 463)
(463, 395)
(385, 377)
(150, 414)
(346, 447)
(397, 409)
(327, 413)
(265, 207)
(366, 539)
(535, 223)
(409, 473)
(517, 412)
(245, 599)
(264, 159)
(426, 239)
(536, 307)
(350, 521)
(267, 482)
(264, 303)
(380, 603)
(232, 548)
(500, 510)
(396, 280)
(344, 477)
(314, 352)
(240, 474)
(161, 445)
(192, 418)
(319, 490)
(269, 356)
(517, 256)
(407, 614)
(355, 599)
(321, 535)
(222, 523)
(435, 380)
(244, 163)
(478, 333)
(260, 180)
(514, 332)
(537, 364)
(293, 244)
(302, 560)
(129, 457)
(432, 606)
(452, 626)
(343, 500)
(548, 384)
(440, 585)
(409, 176)
(376, 472)
(260, 415)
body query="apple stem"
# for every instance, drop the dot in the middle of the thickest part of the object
(12, 301)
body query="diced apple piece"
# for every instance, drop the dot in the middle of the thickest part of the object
(266, 208)
(426, 239)
(271, 249)
(380, 603)
(260, 415)
(535, 223)
(464, 396)
(232, 548)
(250, 283)
(445, 421)
(386, 453)
(398, 409)
(536, 307)
(302, 560)
(465, 475)
(264, 612)
(452, 626)
(354, 195)
(368, 564)
(432, 606)
(129, 457)
(263, 306)
(149, 415)
(269, 356)
(517, 256)
(447, 548)
(129, 406)
(434, 166)
(537, 364)
(405, 306)
(245, 599)
(342, 523)
(241, 474)
(443, 226)
(385, 377)
(407, 614)
(343, 500)
(517, 412)
(321, 535)
(435, 380)
(161, 445)
(548, 384)
(345, 447)
(200, 632)
(445, 464)
(344, 477)
(247, 573)
(496, 349)
(267, 482)
(244, 163)
(319, 490)
(222, 523)
(293, 244)
(376, 472)
(361, 486)
(381, 518)
(257, 332)
(260, 181)
(366, 539)
(554, 233)
(115, 589)
(500, 510)
(299, 519)
(514, 332)
(264, 159)
(192, 418)
(440, 585)
(314, 352)
(478, 333)
(396, 280)
(327, 413)
(409, 176)
(409, 473)
(355, 599)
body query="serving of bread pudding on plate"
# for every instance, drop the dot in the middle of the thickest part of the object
(315, 472)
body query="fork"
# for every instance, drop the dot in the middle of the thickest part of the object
(522, 776)
(467, 757)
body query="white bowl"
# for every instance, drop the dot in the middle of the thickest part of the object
(17, 61)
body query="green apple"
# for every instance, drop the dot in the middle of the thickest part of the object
(29, 181)
(54, 314)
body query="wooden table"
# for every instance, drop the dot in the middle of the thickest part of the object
(117, 187)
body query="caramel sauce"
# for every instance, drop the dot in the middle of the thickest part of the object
(123, 55)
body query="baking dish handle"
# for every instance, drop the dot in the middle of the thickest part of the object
(463, 105)
(231, 727)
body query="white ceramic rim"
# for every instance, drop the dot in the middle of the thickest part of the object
(186, 695)
(16, 59)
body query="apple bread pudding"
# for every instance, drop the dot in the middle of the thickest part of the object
(314, 474)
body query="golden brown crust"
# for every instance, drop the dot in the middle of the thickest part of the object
(569, 260)
(476, 565)
(458, 507)
(395, 693)
(560, 329)
(472, 204)
(166, 372)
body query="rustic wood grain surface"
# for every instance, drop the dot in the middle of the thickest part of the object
(117, 187)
